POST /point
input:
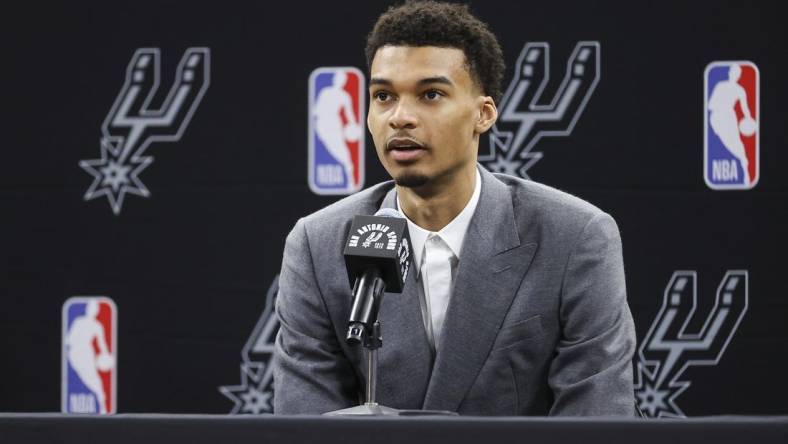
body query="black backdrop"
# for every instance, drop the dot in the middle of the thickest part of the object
(190, 266)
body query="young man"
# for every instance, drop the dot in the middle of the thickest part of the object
(517, 305)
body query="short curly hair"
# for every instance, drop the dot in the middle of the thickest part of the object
(446, 25)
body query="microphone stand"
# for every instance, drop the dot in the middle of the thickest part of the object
(364, 327)
(372, 341)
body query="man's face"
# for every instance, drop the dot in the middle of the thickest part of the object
(425, 113)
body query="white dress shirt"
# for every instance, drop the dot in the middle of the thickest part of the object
(436, 257)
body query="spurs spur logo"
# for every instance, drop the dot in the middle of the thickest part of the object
(254, 395)
(131, 126)
(373, 239)
(668, 349)
(525, 117)
(404, 257)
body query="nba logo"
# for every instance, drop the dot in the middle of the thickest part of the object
(731, 151)
(336, 131)
(89, 355)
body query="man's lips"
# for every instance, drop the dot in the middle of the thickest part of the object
(403, 149)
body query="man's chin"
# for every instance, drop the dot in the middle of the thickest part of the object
(411, 180)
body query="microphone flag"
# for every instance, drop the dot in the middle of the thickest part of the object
(379, 242)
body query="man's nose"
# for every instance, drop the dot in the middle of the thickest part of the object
(403, 116)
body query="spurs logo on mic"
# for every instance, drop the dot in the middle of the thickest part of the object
(131, 125)
(669, 348)
(374, 236)
(526, 116)
(380, 242)
(404, 257)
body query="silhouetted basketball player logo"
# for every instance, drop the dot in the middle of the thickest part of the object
(88, 355)
(731, 142)
(336, 135)
(331, 104)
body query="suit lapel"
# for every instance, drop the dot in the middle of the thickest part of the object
(492, 265)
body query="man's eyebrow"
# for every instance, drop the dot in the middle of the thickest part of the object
(425, 81)
(379, 81)
(436, 79)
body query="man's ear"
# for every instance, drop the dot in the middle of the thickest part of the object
(488, 114)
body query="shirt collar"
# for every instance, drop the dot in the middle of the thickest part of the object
(453, 233)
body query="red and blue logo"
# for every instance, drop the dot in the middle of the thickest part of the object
(336, 130)
(731, 125)
(90, 351)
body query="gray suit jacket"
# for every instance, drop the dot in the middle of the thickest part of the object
(537, 323)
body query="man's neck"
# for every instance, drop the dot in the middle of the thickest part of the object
(433, 206)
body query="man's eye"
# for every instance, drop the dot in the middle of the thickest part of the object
(381, 96)
(432, 94)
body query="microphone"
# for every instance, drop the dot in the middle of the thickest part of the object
(378, 258)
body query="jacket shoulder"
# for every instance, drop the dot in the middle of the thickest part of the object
(342, 211)
(546, 197)
(549, 211)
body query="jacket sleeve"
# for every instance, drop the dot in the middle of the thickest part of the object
(312, 375)
(591, 373)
